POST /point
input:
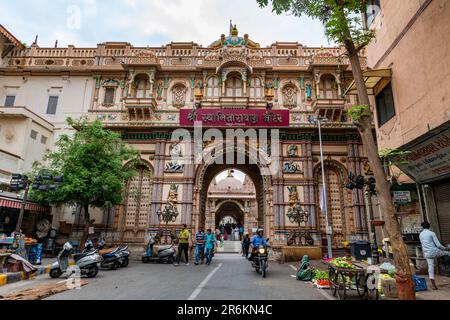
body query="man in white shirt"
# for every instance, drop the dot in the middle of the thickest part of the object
(432, 249)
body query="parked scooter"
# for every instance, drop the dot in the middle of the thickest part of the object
(112, 258)
(122, 251)
(165, 254)
(87, 262)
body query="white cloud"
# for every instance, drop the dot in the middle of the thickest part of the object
(155, 22)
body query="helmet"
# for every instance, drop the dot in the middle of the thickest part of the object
(89, 245)
(260, 230)
(67, 246)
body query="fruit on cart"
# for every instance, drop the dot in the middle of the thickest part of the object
(343, 263)
(30, 241)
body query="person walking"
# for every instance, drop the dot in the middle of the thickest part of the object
(183, 246)
(241, 232)
(218, 236)
(432, 249)
(236, 234)
(200, 238)
(246, 245)
(210, 244)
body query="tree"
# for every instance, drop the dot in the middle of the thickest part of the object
(92, 164)
(343, 25)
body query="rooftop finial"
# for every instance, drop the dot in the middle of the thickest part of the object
(231, 27)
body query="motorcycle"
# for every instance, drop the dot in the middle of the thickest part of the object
(113, 258)
(87, 262)
(165, 254)
(260, 260)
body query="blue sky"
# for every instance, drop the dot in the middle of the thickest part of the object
(84, 23)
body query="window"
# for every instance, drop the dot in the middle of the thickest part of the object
(255, 88)
(142, 86)
(213, 87)
(328, 87)
(372, 9)
(33, 135)
(9, 101)
(385, 105)
(109, 95)
(44, 139)
(52, 104)
(234, 87)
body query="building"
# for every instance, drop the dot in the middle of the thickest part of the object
(232, 198)
(410, 61)
(149, 93)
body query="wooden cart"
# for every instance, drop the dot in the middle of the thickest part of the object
(339, 284)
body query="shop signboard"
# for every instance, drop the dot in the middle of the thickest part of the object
(429, 160)
(402, 197)
(235, 118)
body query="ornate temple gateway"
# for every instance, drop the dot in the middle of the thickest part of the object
(148, 93)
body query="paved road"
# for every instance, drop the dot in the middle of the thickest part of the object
(230, 277)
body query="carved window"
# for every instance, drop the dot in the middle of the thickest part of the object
(142, 86)
(328, 87)
(234, 87)
(179, 96)
(290, 96)
(255, 88)
(110, 93)
(213, 87)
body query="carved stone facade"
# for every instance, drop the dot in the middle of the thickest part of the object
(140, 92)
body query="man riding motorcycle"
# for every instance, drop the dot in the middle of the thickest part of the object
(256, 242)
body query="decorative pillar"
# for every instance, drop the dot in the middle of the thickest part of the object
(244, 82)
(224, 81)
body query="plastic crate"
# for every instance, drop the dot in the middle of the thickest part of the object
(420, 284)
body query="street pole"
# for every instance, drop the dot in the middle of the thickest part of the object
(325, 194)
(22, 208)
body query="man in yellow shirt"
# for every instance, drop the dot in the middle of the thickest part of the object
(183, 246)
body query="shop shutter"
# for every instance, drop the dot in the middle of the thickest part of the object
(442, 196)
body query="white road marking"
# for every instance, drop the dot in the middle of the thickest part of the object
(293, 267)
(202, 285)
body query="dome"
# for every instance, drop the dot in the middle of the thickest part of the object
(229, 183)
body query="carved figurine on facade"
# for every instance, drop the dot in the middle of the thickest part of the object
(179, 96)
(293, 150)
(291, 167)
(172, 200)
(174, 167)
(290, 97)
(175, 150)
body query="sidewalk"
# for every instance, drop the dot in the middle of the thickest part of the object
(13, 277)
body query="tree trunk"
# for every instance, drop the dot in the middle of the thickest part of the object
(404, 278)
(87, 225)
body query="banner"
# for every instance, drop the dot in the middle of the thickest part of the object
(235, 118)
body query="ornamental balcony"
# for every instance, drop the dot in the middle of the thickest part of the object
(332, 109)
(234, 102)
(140, 109)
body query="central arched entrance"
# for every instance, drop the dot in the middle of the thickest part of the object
(253, 168)
(229, 210)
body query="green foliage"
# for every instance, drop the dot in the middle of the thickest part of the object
(357, 112)
(341, 18)
(394, 156)
(92, 164)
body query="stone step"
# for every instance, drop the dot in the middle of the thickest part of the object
(230, 247)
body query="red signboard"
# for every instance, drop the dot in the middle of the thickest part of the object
(235, 118)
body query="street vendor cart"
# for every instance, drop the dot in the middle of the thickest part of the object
(358, 277)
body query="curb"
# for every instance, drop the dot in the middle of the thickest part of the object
(14, 277)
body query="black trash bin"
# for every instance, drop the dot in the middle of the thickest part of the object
(361, 250)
